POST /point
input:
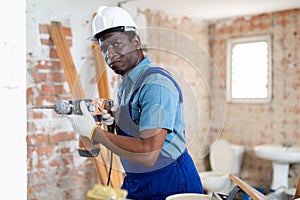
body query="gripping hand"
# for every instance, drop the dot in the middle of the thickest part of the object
(107, 118)
(84, 124)
(116, 113)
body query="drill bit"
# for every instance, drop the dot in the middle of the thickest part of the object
(40, 107)
(60, 107)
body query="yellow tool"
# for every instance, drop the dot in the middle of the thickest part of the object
(101, 192)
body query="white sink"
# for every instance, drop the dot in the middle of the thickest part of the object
(281, 156)
(278, 153)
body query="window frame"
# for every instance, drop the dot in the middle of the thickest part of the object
(241, 40)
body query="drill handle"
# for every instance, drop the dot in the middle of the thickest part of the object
(111, 128)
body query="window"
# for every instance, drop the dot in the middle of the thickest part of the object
(249, 62)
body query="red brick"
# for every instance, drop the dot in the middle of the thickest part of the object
(65, 150)
(44, 28)
(33, 114)
(38, 115)
(264, 25)
(67, 31)
(69, 42)
(45, 150)
(42, 64)
(34, 165)
(29, 91)
(296, 110)
(41, 164)
(61, 160)
(38, 77)
(53, 53)
(56, 77)
(31, 127)
(41, 99)
(39, 126)
(30, 100)
(32, 91)
(281, 18)
(34, 139)
(47, 42)
(52, 89)
(62, 136)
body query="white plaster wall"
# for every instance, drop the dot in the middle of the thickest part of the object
(12, 103)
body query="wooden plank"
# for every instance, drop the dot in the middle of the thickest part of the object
(253, 193)
(117, 175)
(76, 88)
(66, 60)
(101, 74)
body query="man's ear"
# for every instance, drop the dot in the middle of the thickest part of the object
(137, 42)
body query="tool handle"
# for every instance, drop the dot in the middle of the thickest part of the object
(111, 128)
(87, 148)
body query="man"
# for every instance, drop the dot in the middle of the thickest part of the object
(150, 136)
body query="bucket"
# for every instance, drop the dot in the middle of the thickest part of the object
(189, 196)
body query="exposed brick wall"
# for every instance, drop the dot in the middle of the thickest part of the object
(246, 124)
(275, 122)
(55, 170)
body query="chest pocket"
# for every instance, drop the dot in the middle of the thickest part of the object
(135, 113)
(134, 105)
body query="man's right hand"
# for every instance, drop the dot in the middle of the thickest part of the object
(107, 119)
(116, 113)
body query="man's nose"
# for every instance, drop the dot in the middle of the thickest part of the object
(111, 52)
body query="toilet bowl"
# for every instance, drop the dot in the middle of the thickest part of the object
(225, 158)
(238, 151)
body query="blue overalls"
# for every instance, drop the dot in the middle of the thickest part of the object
(168, 176)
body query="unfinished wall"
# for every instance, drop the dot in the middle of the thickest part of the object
(275, 122)
(54, 168)
(55, 171)
(245, 124)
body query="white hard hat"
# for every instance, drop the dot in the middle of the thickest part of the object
(108, 18)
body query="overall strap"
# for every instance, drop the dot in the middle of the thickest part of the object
(154, 70)
(139, 82)
(158, 70)
(151, 70)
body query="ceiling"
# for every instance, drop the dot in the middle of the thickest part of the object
(213, 9)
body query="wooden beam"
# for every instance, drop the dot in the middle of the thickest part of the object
(66, 60)
(101, 74)
(76, 88)
(117, 175)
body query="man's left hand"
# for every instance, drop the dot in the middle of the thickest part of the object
(84, 124)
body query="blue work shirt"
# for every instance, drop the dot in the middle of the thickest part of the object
(155, 104)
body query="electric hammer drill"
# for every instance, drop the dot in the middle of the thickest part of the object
(94, 106)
